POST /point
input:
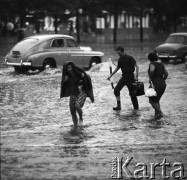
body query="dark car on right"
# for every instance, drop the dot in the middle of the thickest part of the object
(174, 48)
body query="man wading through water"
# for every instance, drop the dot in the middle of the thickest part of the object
(127, 64)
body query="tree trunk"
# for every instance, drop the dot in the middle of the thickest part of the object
(4, 30)
(93, 23)
(56, 25)
(37, 27)
(77, 26)
(22, 21)
(141, 24)
(115, 23)
(174, 22)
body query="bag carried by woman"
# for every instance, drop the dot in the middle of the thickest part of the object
(150, 92)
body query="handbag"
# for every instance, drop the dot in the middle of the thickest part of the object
(138, 88)
(150, 92)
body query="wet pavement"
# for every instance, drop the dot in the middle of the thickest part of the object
(38, 140)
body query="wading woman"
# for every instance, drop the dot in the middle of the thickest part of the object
(77, 85)
(157, 76)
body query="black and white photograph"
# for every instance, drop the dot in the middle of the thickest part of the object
(93, 89)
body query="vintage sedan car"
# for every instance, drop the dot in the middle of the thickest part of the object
(50, 50)
(174, 48)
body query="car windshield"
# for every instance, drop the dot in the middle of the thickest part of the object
(175, 39)
(71, 43)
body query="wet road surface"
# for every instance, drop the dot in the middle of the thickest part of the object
(38, 140)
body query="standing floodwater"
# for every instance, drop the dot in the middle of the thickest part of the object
(39, 142)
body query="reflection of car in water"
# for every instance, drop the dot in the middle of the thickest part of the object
(174, 48)
(50, 50)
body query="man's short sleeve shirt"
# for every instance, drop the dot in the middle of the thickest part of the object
(126, 64)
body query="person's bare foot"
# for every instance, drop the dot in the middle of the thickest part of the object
(80, 121)
(156, 115)
(161, 115)
(136, 112)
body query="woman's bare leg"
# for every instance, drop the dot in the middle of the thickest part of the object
(80, 113)
(75, 119)
(73, 111)
(156, 106)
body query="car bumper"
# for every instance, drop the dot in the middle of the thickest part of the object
(167, 56)
(21, 63)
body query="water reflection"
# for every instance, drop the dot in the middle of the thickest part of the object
(74, 135)
(32, 115)
(10, 94)
(128, 116)
(73, 142)
(154, 123)
(2, 92)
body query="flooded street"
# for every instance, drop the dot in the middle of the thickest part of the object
(38, 140)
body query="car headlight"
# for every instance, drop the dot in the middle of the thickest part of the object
(5, 62)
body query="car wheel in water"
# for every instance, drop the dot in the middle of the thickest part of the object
(184, 59)
(94, 61)
(49, 64)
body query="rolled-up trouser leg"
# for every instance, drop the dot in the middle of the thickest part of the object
(117, 90)
(121, 83)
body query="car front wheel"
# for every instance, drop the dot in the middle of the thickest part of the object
(49, 63)
(94, 61)
(184, 59)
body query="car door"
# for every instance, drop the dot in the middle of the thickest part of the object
(59, 51)
(76, 55)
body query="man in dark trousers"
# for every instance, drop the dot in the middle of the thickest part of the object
(127, 64)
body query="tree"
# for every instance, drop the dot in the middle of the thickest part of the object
(54, 8)
(167, 13)
(74, 6)
(94, 9)
(175, 10)
(115, 7)
(141, 7)
(9, 9)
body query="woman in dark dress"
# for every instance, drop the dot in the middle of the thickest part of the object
(77, 85)
(157, 76)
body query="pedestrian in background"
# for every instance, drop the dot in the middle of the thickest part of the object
(77, 85)
(127, 64)
(157, 76)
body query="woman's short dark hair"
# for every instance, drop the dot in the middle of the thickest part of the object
(152, 56)
(70, 63)
(120, 49)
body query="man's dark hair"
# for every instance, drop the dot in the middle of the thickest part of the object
(120, 49)
(152, 56)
